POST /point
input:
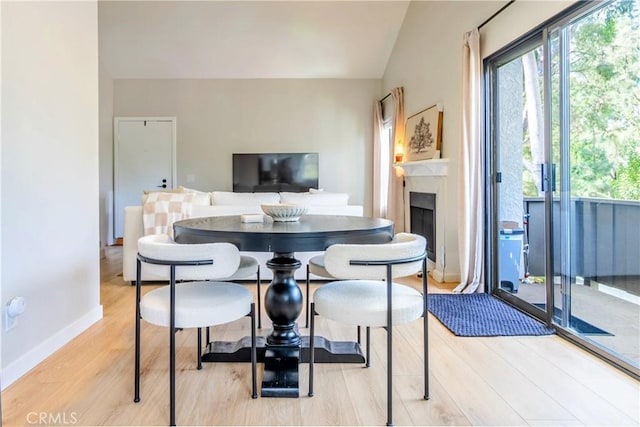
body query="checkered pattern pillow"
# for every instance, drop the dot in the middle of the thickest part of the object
(161, 210)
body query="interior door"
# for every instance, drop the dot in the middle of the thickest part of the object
(144, 160)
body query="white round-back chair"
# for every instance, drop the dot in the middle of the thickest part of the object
(365, 294)
(195, 303)
(315, 266)
(248, 267)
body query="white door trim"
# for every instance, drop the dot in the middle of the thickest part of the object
(116, 123)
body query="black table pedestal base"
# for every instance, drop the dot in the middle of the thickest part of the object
(280, 377)
(283, 349)
(233, 351)
(332, 351)
(326, 351)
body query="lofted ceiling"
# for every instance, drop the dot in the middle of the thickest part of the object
(248, 39)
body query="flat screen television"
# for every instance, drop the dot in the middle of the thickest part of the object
(262, 172)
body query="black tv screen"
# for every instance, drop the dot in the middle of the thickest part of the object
(294, 172)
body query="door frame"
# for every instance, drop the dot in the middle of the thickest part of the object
(116, 142)
(492, 179)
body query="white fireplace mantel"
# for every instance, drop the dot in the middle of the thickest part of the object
(431, 176)
(433, 167)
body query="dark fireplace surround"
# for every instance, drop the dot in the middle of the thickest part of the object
(422, 218)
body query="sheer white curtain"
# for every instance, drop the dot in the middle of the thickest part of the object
(396, 175)
(388, 190)
(379, 182)
(471, 171)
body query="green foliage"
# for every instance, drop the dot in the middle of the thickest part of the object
(604, 103)
(625, 186)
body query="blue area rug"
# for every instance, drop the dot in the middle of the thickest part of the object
(481, 315)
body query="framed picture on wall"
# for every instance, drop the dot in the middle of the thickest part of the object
(423, 134)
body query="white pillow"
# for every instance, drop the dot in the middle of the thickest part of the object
(321, 198)
(229, 198)
(200, 198)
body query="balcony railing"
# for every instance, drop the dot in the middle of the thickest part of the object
(605, 239)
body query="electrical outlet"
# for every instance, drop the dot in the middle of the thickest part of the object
(15, 307)
(9, 322)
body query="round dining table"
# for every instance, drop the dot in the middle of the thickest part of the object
(284, 348)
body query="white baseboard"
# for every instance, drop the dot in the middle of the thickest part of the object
(440, 276)
(451, 277)
(33, 357)
(437, 275)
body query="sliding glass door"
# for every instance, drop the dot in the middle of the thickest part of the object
(564, 183)
(519, 220)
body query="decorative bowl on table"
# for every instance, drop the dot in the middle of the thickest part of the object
(284, 211)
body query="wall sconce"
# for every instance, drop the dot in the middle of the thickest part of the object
(399, 153)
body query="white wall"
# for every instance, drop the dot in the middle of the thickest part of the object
(1, 200)
(516, 20)
(216, 118)
(49, 175)
(427, 62)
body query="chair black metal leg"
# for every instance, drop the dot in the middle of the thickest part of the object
(307, 304)
(368, 361)
(359, 339)
(208, 336)
(259, 299)
(172, 349)
(426, 358)
(254, 355)
(311, 348)
(389, 378)
(136, 381)
(199, 348)
(425, 326)
(389, 347)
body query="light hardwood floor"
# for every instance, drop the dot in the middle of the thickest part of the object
(515, 381)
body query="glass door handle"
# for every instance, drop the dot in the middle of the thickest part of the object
(544, 176)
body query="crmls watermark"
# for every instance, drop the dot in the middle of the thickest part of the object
(52, 418)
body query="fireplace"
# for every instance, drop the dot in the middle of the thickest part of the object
(427, 197)
(422, 216)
